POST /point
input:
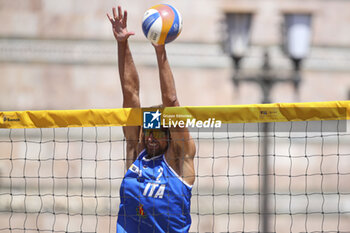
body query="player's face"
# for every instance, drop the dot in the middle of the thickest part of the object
(156, 141)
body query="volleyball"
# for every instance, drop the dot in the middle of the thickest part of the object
(162, 24)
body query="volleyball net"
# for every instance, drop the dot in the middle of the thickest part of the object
(265, 168)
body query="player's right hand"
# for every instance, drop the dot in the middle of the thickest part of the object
(118, 22)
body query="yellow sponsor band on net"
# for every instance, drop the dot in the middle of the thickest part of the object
(254, 113)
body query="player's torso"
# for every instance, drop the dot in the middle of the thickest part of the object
(151, 193)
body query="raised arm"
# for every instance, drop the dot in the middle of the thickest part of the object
(128, 77)
(182, 148)
(167, 84)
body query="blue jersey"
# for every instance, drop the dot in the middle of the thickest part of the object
(153, 198)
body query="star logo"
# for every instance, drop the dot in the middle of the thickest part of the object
(151, 120)
(155, 115)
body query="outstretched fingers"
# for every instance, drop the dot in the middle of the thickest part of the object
(119, 21)
(110, 18)
(120, 14)
(114, 13)
(131, 33)
(125, 18)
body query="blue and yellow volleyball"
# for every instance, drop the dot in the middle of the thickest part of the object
(162, 24)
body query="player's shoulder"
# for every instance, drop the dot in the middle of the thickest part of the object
(185, 147)
(184, 150)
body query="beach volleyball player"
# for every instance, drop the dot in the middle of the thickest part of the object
(156, 190)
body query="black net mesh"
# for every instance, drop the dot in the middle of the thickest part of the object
(247, 180)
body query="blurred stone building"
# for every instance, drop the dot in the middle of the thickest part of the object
(62, 55)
